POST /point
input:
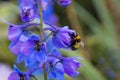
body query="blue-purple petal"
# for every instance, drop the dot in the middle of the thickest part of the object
(29, 46)
(41, 55)
(20, 58)
(15, 47)
(14, 76)
(13, 33)
(58, 43)
(70, 66)
(27, 10)
(30, 61)
(64, 3)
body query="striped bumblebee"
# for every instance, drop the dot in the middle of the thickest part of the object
(75, 41)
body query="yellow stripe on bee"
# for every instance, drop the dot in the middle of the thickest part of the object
(77, 37)
(77, 45)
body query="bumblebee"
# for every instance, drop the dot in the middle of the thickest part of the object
(75, 41)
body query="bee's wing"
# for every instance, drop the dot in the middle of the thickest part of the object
(82, 44)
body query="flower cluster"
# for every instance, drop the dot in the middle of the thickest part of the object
(41, 54)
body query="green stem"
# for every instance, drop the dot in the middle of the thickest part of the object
(41, 22)
(45, 73)
(41, 36)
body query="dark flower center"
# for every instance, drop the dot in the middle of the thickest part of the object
(22, 77)
(51, 64)
(27, 12)
(11, 26)
(38, 45)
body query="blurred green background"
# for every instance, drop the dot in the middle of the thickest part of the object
(98, 23)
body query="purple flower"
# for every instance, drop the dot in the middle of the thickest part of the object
(34, 46)
(27, 14)
(14, 76)
(18, 34)
(29, 61)
(14, 31)
(15, 46)
(64, 3)
(19, 75)
(70, 66)
(55, 69)
(27, 9)
(62, 37)
(61, 64)
(48, 14)
(34, 52)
